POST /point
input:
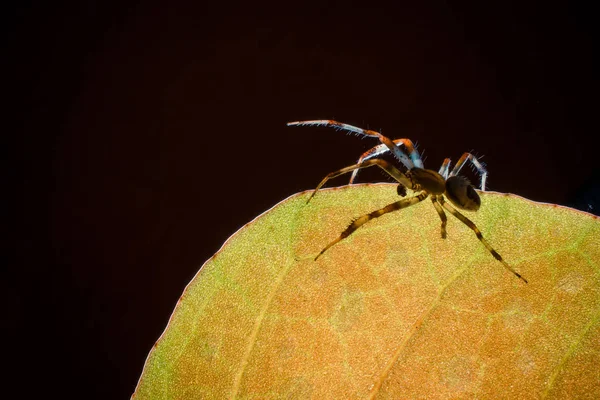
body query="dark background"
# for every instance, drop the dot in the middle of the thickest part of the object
(140, 136)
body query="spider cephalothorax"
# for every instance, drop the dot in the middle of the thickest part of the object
(425, 182)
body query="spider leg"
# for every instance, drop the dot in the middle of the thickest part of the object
(415, 157)
(441, 213)
(386, 166)
(444, 168)
(473, 227)
(382, 149)
(470, 157)
(357, 223)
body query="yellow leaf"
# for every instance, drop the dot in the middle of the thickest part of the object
(393, 311)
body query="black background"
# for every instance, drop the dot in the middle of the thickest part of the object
(140, 136)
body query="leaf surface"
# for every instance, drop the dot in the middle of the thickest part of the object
(393, 311)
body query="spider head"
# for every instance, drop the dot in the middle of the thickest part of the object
(462, 194)
(426, 179)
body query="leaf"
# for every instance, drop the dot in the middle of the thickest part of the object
(393, 311)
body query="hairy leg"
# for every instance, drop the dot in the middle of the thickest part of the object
(441, 213)
(473, 227)
(444, 168)
(478, 165)
(386, 166)
(415, 157)
(382, 149)
(357, 223)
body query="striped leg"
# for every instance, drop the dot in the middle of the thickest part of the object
(476, 163)
(471, 225)
(382, 149)
(357, 223)
(415, 157)
(441, 213)
(386, 166)
(444, 168)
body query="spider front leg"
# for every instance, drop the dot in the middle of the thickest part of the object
(357, 223)
(409, 163)
(386, 166)
(474, 228)
(415, 157)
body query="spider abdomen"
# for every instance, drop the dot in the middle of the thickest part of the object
(428, 180)
(462, 194)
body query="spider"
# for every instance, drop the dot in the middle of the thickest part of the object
(426, 182)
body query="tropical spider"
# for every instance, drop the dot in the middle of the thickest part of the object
(457, 188)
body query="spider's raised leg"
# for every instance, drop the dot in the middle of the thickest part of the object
(444, 168)
(441, 213)
(472, 225)
(382, 149)
(357, 223)
(386, 166)
(461, 161)
(415, 157)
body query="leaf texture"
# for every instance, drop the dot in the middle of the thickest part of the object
(392, 312)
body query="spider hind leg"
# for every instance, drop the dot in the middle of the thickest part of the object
(479, 166)
(479, 235)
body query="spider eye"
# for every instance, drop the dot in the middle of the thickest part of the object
(401, 189)
(462, 194)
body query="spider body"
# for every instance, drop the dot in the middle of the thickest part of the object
(462, 194)
(425, 182)
(457, 188)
